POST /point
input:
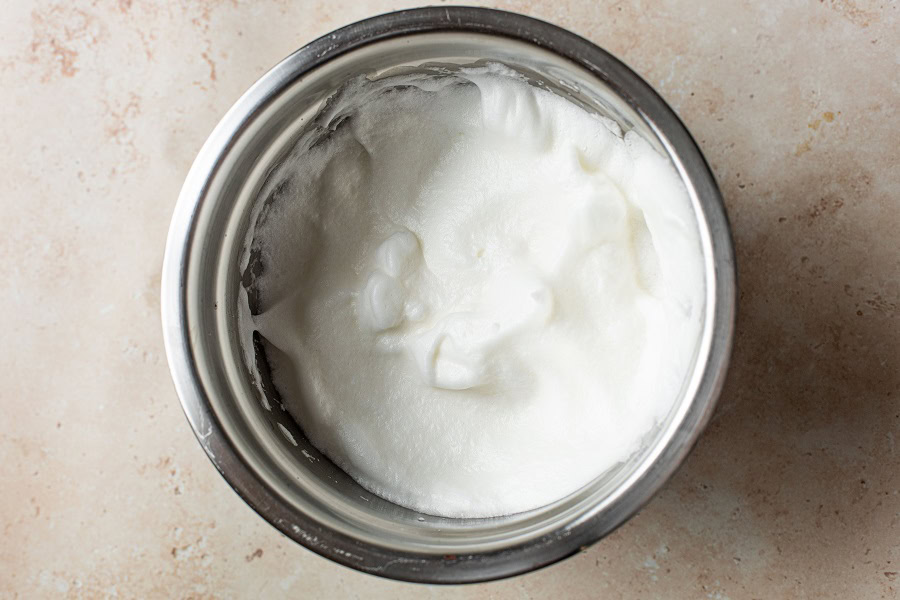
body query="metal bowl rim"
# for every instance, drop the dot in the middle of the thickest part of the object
(427, 568)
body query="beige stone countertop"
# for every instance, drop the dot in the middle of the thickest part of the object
(792, 492)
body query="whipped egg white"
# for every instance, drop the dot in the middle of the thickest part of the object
(477, 296)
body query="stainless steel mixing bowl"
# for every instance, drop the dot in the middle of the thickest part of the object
(255, 444)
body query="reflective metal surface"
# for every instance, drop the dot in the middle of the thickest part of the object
(255, 444)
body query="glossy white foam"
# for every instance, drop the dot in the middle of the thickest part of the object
(479, 296)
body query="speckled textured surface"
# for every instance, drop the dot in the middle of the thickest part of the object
(793, 491)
